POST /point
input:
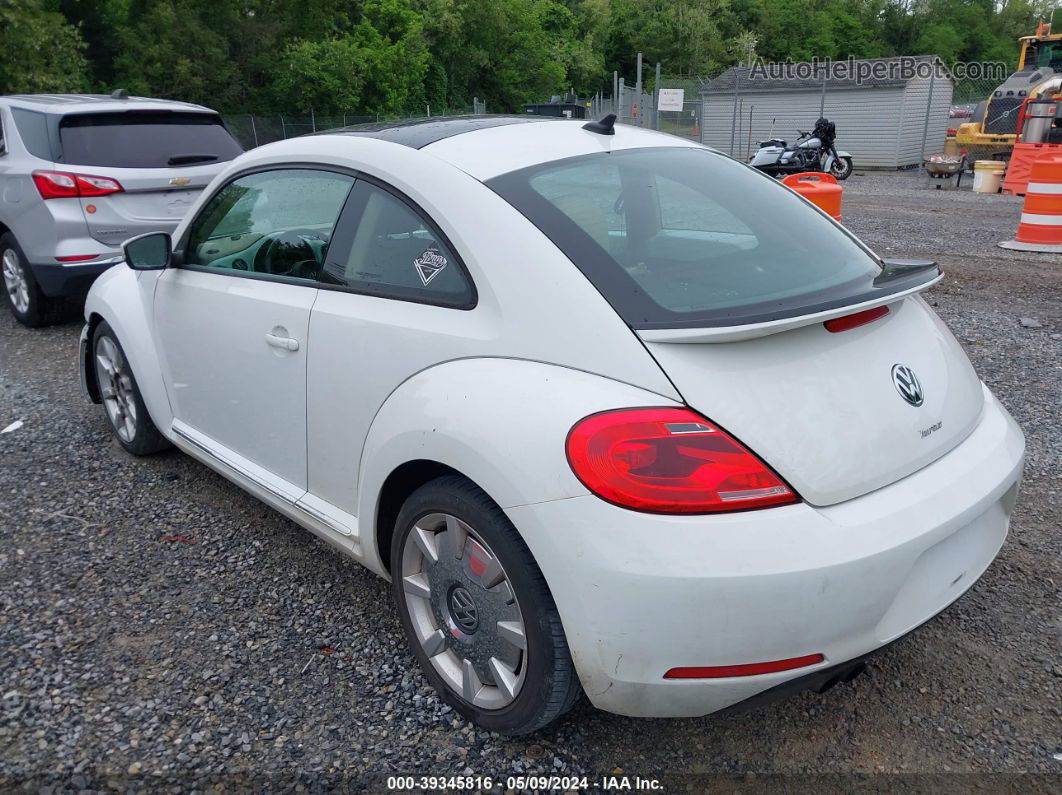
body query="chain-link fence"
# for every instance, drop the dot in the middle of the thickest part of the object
(969, 101)
(884, 123)
(641, 108)
(687, 121)
(887, 122)
(253, 130)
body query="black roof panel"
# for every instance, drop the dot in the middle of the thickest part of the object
(419, 133)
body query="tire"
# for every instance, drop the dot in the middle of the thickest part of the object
(27, 303)
(841, 168)
(120, 395)
(472, 631)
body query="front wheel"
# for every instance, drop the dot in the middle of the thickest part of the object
(841, 168)
(121, 396)
(477, 612)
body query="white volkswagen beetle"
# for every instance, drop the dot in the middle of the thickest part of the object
(615, 413)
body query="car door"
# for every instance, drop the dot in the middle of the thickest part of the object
(232, 320)
(395, 299)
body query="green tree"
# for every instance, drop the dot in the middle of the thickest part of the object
(40, 52)
(508, 52)
(174, 49)
(377, 68)
(395, 56)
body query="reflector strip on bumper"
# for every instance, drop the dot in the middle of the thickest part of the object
(746, 669)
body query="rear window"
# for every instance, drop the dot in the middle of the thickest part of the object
(683, 237)
(138, 139)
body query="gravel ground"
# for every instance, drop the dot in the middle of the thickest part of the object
(160, 626)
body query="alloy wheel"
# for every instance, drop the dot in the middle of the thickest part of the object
(840, 168)
(15, 281)
(116, 388)
(463, 610)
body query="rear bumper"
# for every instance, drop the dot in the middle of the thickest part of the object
(641, 594)
(58, 279)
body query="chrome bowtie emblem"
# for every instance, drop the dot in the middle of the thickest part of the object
(906, 383)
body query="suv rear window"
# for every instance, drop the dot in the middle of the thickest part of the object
(684, 237)
(145, 139)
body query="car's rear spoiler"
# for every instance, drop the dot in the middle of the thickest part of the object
(907, 276)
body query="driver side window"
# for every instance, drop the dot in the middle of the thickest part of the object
(272, 224)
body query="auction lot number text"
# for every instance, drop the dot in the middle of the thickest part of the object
(520, 783)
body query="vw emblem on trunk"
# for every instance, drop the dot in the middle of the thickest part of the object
(463, 610)
(906, 383)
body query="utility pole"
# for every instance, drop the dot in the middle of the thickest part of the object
(929, 109)
(656, 98)
(734, 115)
(638, 91)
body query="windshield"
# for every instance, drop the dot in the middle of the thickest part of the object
(685, 237)
(145, 139)
(1045, 54)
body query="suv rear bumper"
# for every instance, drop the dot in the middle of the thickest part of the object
(61, 279)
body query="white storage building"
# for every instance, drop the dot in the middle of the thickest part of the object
(880, 119)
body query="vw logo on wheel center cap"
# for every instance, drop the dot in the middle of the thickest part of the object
(906, 383)
(463, 609)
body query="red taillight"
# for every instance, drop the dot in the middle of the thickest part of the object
(856, 319)
(77, 257)
(55, 184)
(62, 185)
(670, 460)
(746, 669)
(89, 185)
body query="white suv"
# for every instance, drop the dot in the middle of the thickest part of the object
(81, 173)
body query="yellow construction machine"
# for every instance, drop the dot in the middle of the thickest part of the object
(994, 122)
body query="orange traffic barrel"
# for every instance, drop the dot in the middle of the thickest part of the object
(1020, 164)
(1040, 228)
(820, 189)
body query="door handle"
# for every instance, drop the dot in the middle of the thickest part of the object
(284, 343)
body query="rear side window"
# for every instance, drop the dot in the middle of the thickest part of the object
(145, 139)
(395, 253)
(33, 130)
(684, 237)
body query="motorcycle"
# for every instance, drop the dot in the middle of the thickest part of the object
(814, 151)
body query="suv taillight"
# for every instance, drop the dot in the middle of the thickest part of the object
(64, 185)
(670, 460)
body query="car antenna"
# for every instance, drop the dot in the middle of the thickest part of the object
(119, 93)
(606, 126)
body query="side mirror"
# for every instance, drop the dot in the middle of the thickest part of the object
(150, 252)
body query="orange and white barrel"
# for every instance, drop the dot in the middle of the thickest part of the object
(1040, 228)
